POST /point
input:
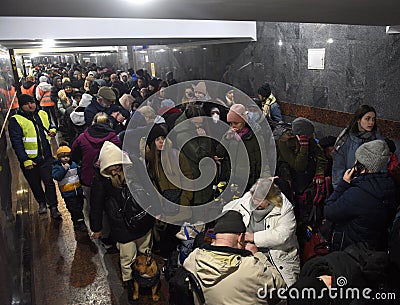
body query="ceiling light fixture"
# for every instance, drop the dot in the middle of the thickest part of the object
(139, 2)
(48, 43)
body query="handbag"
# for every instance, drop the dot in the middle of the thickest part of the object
(132, 213)
(315, 246)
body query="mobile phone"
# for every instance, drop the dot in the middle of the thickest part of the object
(358, 168)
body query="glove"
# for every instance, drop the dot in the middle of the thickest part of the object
(303, 140)
(319, 179)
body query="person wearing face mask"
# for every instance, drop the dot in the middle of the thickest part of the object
(254, 111)
(361, 129)
(106, 196)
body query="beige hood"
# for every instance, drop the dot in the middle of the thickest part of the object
(111, 154)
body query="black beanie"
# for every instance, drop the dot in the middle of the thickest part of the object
(264, 90)
(156, 131)
(230, 222)
(24, 99)
(67, 84)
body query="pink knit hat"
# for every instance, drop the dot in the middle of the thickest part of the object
(237, 113)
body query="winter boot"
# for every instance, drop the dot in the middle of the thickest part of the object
(129, 290)
(42, 208)
(54, 212)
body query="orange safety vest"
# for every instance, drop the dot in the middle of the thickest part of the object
(45, 100)
(8, 96)
(30, 91)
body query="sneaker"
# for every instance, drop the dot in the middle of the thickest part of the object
(54, 212)
(80, 226)
(42, 208)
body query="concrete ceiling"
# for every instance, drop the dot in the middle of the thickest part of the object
(367, 12)
(362, 12)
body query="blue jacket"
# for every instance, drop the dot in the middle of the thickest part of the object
(16, 136)
(345, 157)
(68, 180)
(362, 211)
(94, 107)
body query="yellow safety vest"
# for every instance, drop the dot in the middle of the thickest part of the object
(30, 138)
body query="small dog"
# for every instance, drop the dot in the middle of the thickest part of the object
(145, 274)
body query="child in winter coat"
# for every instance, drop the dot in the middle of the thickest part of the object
(66, 172)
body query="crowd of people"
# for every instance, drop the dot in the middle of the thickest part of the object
(342, 189)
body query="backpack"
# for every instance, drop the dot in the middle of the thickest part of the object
(280, 129)
(310, 203)
(181, 288)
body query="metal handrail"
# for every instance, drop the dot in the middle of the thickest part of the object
(7, 115)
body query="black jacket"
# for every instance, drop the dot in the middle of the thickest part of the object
(105, 197)
(362, 211)
(360, 266)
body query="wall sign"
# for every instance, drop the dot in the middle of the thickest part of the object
(316, 59)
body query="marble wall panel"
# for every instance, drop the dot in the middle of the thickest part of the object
(362, 65)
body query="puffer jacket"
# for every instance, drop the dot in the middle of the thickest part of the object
(87, 146)
(345, 155)
(279, 235)
(232, 276)
(68, 179)
(45, 87)
(362, 211)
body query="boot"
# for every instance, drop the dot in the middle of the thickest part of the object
(129, 289)
(42, 208)
(10, 216)
(54, 212)
(80, 226)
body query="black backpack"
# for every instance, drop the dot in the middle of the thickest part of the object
(181, 288)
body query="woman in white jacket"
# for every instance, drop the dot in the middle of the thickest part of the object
(271, 226)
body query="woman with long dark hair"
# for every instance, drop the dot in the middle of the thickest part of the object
(361, 129)
(163, 163)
